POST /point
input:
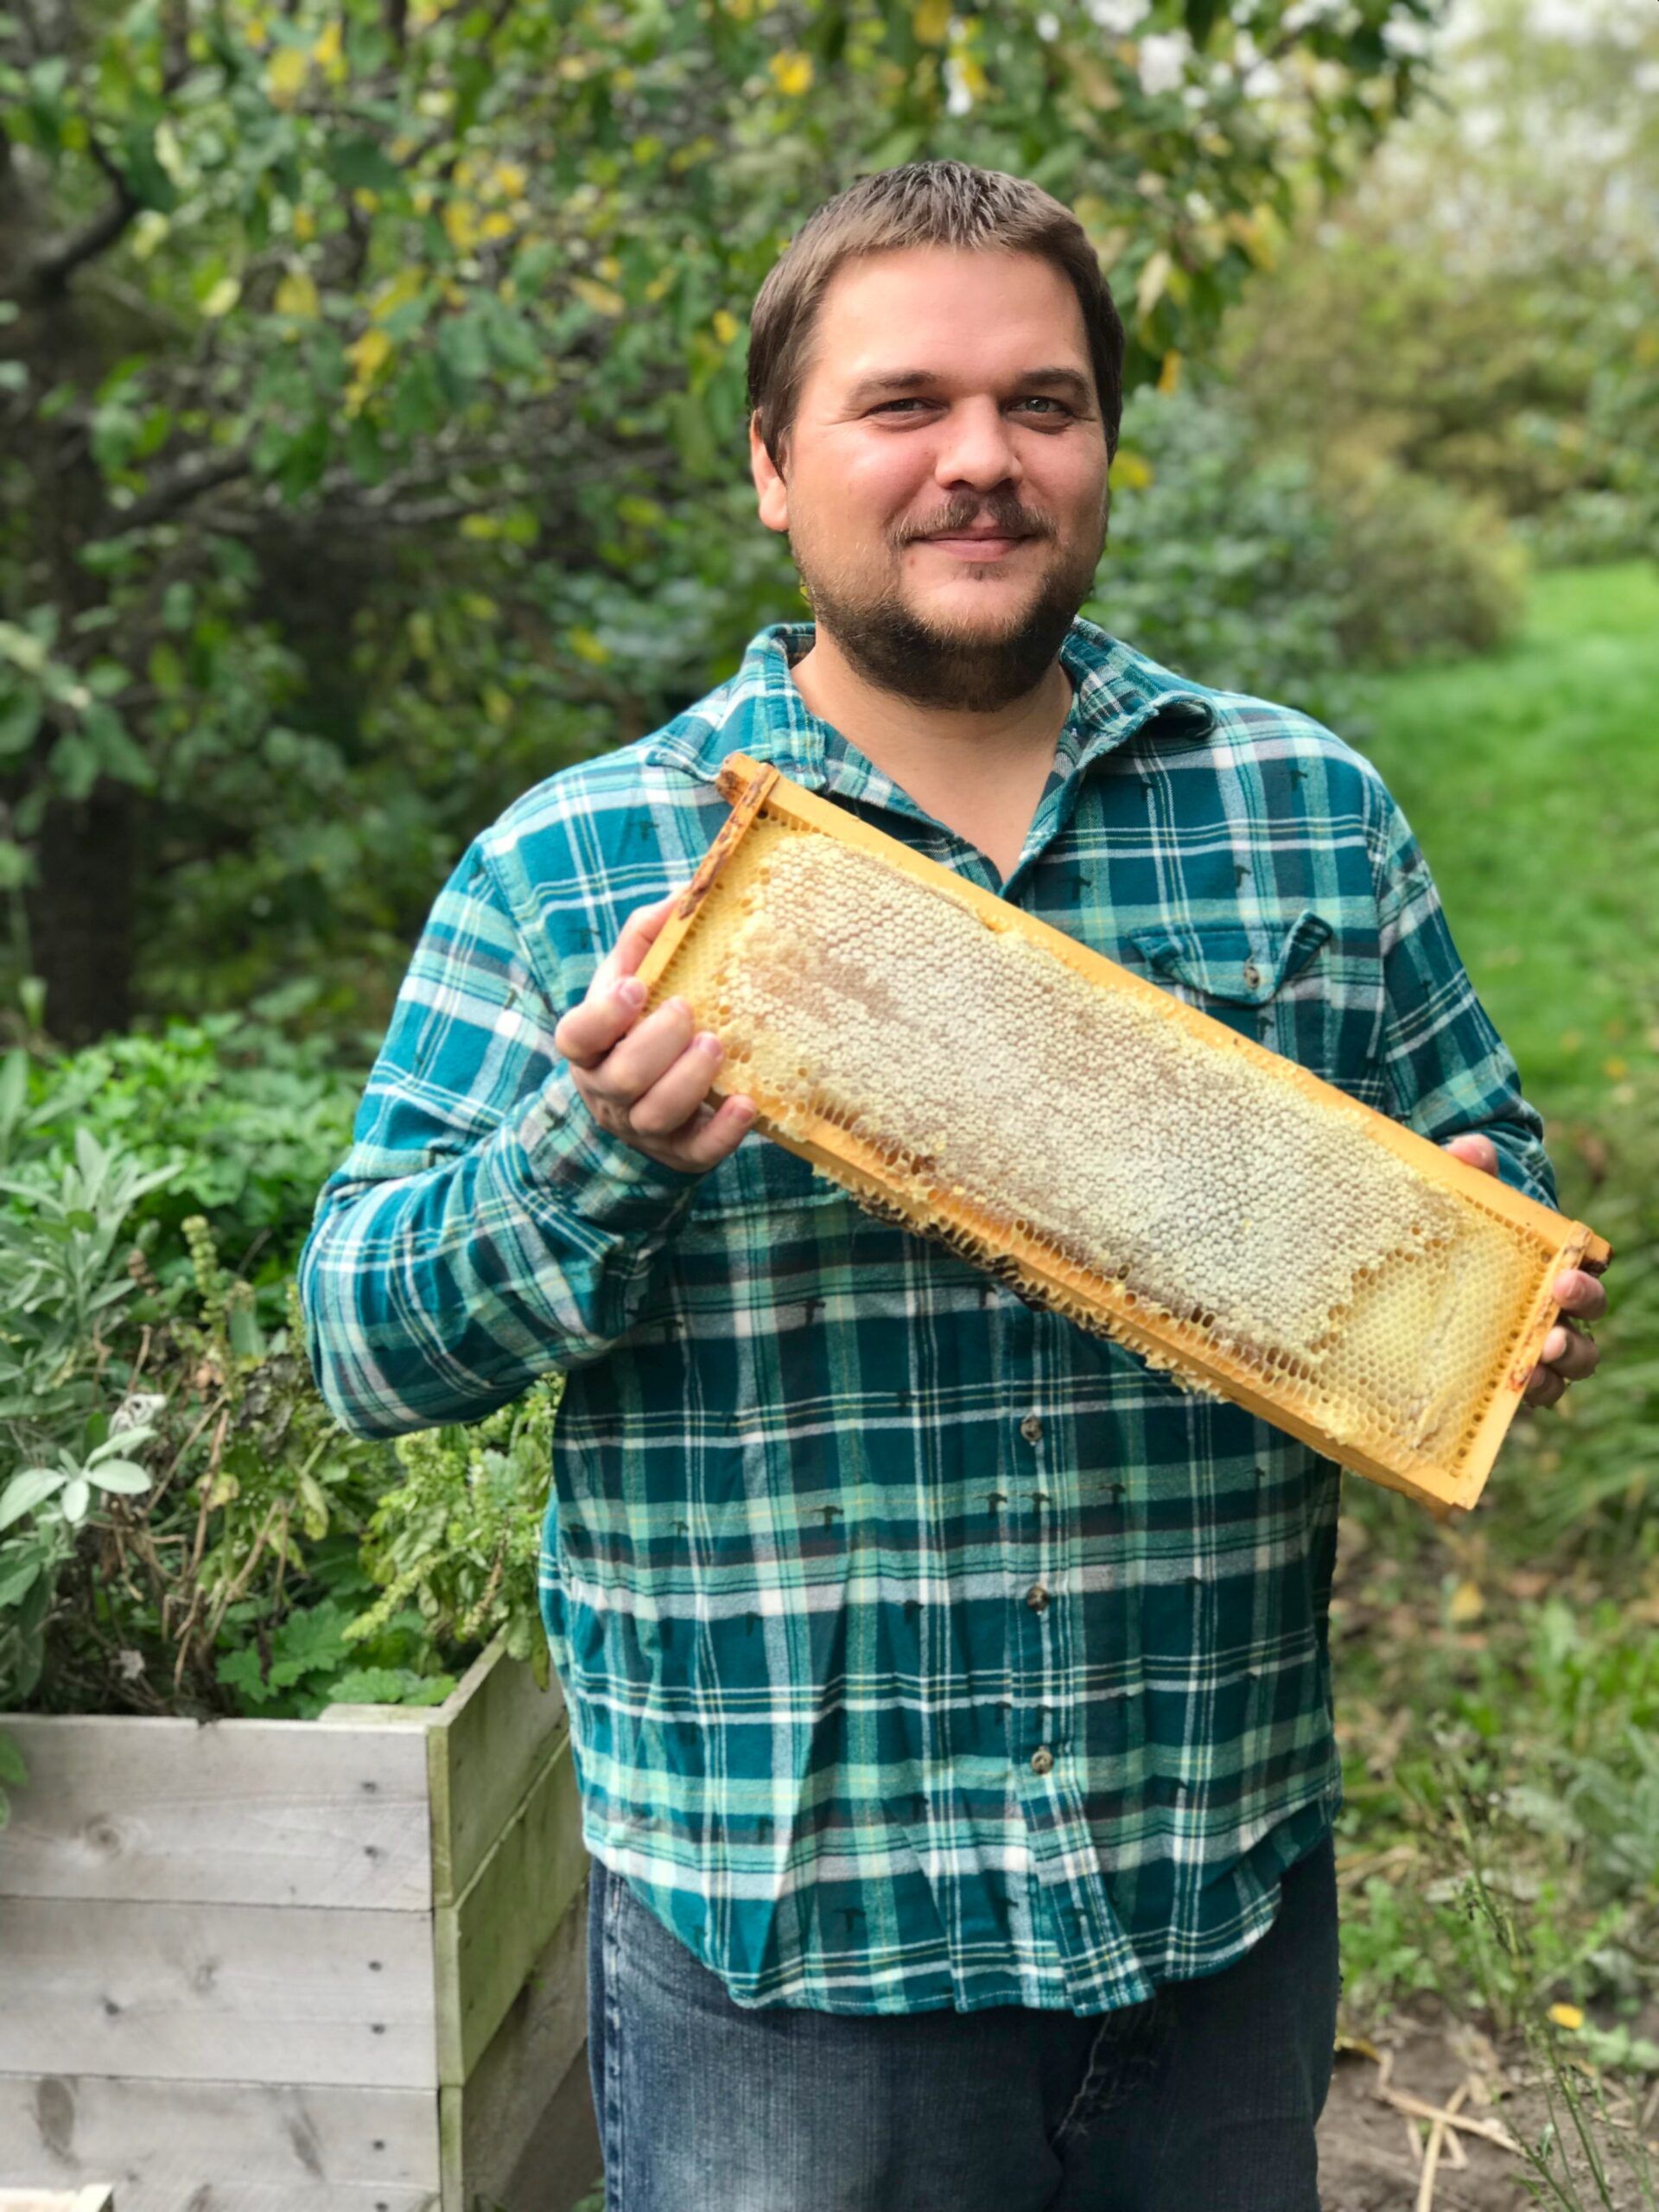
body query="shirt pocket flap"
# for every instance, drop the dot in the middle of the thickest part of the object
(1227, 961)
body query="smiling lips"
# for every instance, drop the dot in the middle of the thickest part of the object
(976, 545)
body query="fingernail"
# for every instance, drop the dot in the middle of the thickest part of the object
(630, 991)
(711, 1043)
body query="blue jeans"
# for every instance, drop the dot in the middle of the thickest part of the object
(1202, 2098)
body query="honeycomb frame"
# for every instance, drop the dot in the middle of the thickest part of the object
(1023, 1253)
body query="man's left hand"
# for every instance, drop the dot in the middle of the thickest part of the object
(1569, 1352)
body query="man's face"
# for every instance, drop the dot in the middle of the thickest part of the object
(944, 485)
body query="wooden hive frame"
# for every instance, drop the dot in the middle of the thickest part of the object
(1098, 1303)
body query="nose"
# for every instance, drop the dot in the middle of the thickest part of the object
(976, 448)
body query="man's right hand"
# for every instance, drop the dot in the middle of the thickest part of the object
(648, 1082)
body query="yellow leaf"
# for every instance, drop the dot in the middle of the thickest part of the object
(1468, 1604)
(223, 297)
(396, 292)
(480, 607)
(1169, 373)
(297, 295)
(1131, 471)
(256, 32)
(726, 326)
(148, 232)
(497, 224)
(930, 21)
(509, 180)
(1616, 1068)
(328, 49)
(589, 648)
(600, 297)
(791, 74)
(305, 226)
(610, 268)
(480, 526)
(1150, 284)
(461, 224)
(1566, 2016)
(285, 74)
(369, 354)
(367, 200)
(497, 705)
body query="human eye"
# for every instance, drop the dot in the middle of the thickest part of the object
(1059, 411)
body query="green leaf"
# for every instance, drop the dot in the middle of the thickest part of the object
(15, 1580)
(21, 710)
(12, 1767)
(123, 1476)
(25, 1490)
(76, 1496)
(359, 165)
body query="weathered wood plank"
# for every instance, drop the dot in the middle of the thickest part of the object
(241, 1993)
(310, 2145)
(486, 1944)
(489, 1741)
(97, 2198)
(488, 2122)
(230, 1812)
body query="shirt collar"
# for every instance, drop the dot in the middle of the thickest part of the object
(1117, 692)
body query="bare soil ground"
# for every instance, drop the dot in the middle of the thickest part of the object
(1378, 2154)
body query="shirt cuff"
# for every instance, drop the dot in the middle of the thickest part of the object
(576, 1167)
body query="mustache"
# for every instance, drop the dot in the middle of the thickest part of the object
(1004, 516)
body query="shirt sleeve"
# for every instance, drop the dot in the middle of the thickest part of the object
(1449, 1073)
(484, 1228)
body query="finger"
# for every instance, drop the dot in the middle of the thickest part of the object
(711, 1140)
(644, 1055)
(1480, 1152)
(1580, 1295)
(639, 933)
(676, 1095)
(589, 1032)
(1571, 1354)
(1545, 1387)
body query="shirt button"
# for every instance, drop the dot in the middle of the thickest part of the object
(1041, 1759)
(1037, 1597)
(1031, 1429)
(1252, 973)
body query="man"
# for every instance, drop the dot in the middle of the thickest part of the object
(949, 1693)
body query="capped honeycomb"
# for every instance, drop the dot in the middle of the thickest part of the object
(1126, 1160)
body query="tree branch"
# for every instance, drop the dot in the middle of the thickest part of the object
(49, 276)
(203, 471)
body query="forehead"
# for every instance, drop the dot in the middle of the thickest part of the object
(959, 314)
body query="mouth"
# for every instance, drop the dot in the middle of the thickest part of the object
(977, 544)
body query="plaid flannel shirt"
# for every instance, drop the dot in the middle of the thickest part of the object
(920, 1650)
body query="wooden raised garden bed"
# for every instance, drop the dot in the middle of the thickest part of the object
(328, 1965)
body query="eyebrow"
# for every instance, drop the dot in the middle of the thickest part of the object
(896, 382)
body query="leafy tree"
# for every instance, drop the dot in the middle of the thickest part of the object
(1479, 309)
(373, 384)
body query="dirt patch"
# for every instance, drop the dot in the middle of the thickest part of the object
(1373, 2149)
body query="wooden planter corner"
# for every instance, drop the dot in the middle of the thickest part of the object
(332, 1965)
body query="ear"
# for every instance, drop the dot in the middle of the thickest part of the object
(772, 493)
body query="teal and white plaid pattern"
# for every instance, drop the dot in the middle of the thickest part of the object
(920, 1650)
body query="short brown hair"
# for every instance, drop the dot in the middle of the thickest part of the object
(924, 203)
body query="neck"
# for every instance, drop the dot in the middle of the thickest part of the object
(981, 775)
(917, 745)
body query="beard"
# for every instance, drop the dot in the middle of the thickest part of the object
(977, 671)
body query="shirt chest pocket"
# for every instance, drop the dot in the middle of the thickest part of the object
(1297, 986)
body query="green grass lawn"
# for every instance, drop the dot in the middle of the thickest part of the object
(1508, 1664)
(1531, 778)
